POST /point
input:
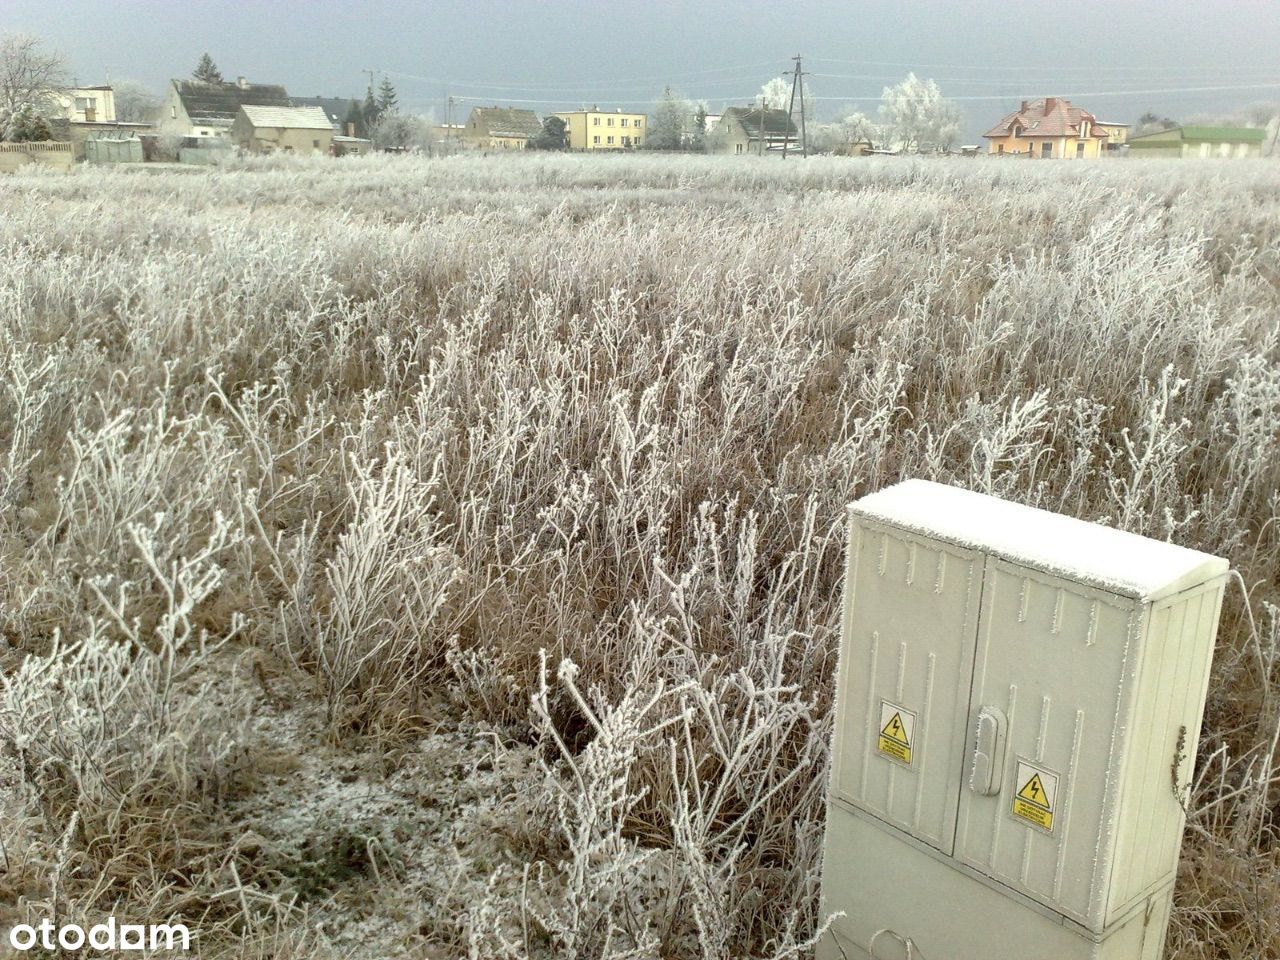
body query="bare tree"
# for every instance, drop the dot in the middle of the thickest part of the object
(28, 74)
(135, 103)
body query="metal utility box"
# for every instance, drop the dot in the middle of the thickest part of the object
(1018, 691)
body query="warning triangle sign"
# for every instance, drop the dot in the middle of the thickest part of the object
(894, 730)
(1033, 792)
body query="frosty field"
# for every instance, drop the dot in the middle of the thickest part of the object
(442, 558)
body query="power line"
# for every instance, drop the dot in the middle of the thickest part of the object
(615, 83)
(1103, 93)
(987, 68)
(1005, 82)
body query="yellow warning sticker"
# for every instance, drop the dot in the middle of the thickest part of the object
(897, 732)
(1037, 796)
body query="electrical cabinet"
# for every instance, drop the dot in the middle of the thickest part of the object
(1019, 698)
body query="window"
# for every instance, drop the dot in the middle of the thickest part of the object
(611, 121)
(737, 148)
(1000, 148)
(1079, 149)
(611, 141)
(1046, 149)
(173, 113)
(595, 121)
(626, 141)
(596, 139)
(316, 144)
(623, 121)
(635, 141)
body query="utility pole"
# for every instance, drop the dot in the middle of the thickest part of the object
(797, 82)
(762, 124)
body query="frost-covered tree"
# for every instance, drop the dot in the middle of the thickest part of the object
(671, 123)
(23, 124)
(134, 102)
(28, 74)
(206, 70)
(916, 115)
(853, 128)
(402, 131)
(776, 95)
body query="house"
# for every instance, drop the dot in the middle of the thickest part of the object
(80, 114)
(302, 130)
(1117, 135)
(335, 108)
(1048, 128)
(501, 128)
(1234, 142)
(742, 130)
(597, 129)
(206, 110)
(86, 104)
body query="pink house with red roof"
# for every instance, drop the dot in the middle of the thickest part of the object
(1049, 128)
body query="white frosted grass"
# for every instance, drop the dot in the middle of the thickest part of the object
(1064, 546)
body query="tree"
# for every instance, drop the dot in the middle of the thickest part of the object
(386, 97)
(777, 95)
(354, 120)
(916, 116)
(553, 135)
(671, 126)
(206, 70)
(700, 128)
(134, 102)
(370, 110)
(28, 75)
(853, 128)
(403, 131)
(1153, 123)
(23, 124)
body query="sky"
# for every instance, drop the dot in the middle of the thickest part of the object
(1116, 58)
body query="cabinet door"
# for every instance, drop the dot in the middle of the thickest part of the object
(911, 617)
(1051, 688)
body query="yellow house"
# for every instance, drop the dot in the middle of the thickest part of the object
(501, 128)
(1048, 128)
(597, 129)
(302, 130)
(1117, 135)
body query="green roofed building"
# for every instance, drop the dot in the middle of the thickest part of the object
(1233, 142)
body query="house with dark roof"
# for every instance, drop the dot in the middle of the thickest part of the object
(1183, 142)
(743, 130)
(501, 128)
(1050, 128)
(206, 110)
(335, 108)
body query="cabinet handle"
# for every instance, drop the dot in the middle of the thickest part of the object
(988, 752)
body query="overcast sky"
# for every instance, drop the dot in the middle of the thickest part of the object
(620, 52)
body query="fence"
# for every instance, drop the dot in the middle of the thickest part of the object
(45, 153)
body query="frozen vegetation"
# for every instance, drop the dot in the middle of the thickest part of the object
(442, 558)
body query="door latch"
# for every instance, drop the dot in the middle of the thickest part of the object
(988, 752)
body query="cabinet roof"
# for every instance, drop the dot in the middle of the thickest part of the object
(1102, 557)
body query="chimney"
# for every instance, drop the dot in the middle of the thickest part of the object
(242, 83)
(1024, 107)
(1050, 104)
(351, 129)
